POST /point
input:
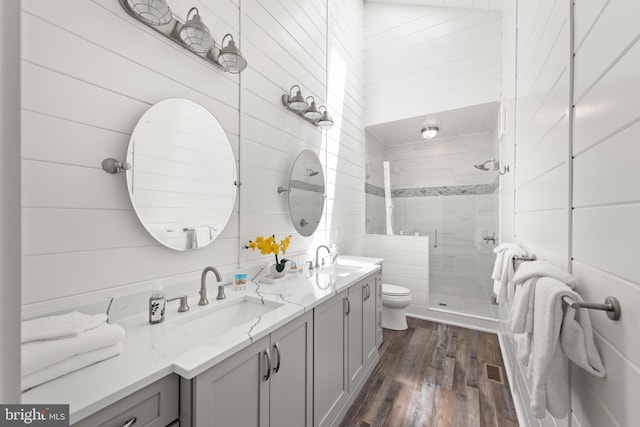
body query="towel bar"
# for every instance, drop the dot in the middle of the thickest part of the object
(611, 306)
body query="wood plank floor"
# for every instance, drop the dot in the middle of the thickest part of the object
(434, 375)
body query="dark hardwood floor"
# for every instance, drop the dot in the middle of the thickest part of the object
(435, 375)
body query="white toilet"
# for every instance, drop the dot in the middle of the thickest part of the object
(395, 300)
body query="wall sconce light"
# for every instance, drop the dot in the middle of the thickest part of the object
(430, 132)
(230, 57)
(325, 121)
(299, 105)
(193, 35)
(296, 103)
(152, 12)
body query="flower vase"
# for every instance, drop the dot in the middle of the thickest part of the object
(275, 273)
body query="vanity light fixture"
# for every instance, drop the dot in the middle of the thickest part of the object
(430, 132)
(230, 57)
(193, 35)
(299, 105)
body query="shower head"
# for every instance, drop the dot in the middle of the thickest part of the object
(311, 172)
(483, 166)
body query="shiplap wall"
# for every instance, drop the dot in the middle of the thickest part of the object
(606, 202)
(576, 198)
(90, 71)
(421, 59)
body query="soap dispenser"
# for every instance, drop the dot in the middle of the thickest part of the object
(157, 302)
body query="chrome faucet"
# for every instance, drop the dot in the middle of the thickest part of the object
(318, 250)
(203, 284)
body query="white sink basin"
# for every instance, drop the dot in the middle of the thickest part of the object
(339, 270)
(219, 319)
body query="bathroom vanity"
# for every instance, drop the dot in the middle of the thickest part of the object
(292, 354)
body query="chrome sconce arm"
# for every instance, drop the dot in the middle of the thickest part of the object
(192, 35)
(298, 104)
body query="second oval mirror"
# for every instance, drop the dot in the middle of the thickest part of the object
(306, 193)
(182, 176)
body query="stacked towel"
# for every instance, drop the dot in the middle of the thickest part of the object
(503, 271)
(59, 351)
(65, 325)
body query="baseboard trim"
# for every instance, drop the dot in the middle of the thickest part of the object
(515, 395)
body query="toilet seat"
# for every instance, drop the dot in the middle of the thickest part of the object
(394, 290)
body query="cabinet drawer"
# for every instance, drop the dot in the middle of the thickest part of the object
(154, 406)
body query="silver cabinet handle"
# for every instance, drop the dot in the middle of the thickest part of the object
(130, 422)
(346, 300)
(435, 243)
(267, 375)
(276, 349)
(367, 292)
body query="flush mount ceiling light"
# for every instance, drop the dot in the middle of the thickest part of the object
(325, 121)
(230, 57)
(296, 103)
(312, 113)
(152, 12)
(430, 132)
(195, 34)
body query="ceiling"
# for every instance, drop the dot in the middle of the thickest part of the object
(465, 4)
(469, 120)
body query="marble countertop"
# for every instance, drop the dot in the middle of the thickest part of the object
(184, 343)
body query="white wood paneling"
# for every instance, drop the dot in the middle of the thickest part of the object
(86, 83)
(596, 162)
(422, 59)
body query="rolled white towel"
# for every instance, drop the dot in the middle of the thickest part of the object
(69, 365)
(37, 355)
(64, 325)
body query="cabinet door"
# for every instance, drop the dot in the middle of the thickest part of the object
(369, 320)
(356, 356)
(236, 391)
(330, 381)
(291, 396)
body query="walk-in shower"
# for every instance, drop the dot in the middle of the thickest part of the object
(440, 189)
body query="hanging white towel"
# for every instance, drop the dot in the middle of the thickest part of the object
(64, 325)
(521, 315)
(69, 365)
(37, 355)
(576, 338)
(506, 288)
(548, 366)
(201, 236)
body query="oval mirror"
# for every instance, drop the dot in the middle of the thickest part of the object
(306, 193)
(182, 176)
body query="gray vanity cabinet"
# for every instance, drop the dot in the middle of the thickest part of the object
(265, 384)
(330, 376)
(153, 406)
